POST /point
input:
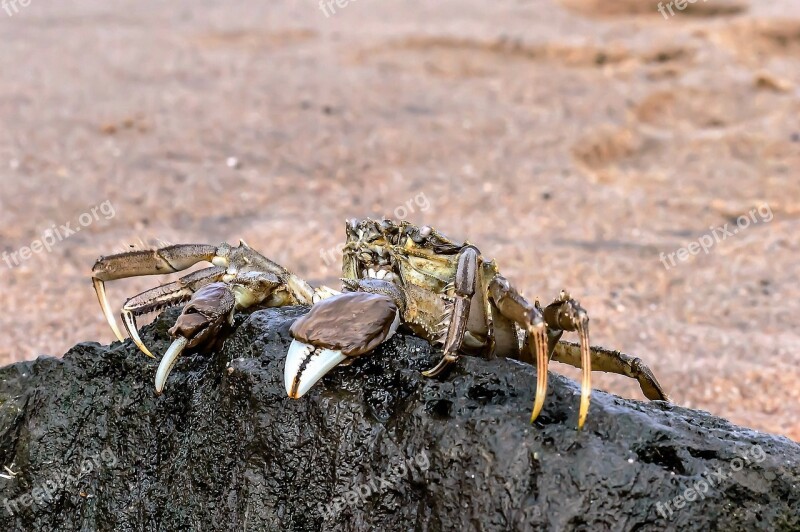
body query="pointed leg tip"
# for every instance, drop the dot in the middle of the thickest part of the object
(542, 362)
(440, 367)
(583, 413)
(143, 349)
(141, 346)
(100, 291)
(581, 421)
(130, 325)
(117, 332)
(586, 370)
(537, 407)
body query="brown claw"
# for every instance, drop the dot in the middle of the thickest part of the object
(353, 322)
(209, 310)
(336, 329)
(203, 317)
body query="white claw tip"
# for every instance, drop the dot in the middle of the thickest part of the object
(315, 364)
(168, 361)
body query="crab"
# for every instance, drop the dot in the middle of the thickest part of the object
(395, 275)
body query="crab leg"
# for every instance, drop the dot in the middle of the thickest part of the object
(513, 306)
(100, 290)
(613, 362)
(146, 262)
(165, 296)
(566, 314)
(457, 316)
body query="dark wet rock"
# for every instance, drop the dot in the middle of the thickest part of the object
(374, 446)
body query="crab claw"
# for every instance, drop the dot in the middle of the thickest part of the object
(335, 329)
(168, 361)
(210, 308)
(315, 363)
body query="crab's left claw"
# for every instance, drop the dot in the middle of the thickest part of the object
(306, 364)
(209, 310)
(335, 329)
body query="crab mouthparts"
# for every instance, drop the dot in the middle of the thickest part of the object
(382, 274)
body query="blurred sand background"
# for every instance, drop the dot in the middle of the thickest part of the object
(574, 141)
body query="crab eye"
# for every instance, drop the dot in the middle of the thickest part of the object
(425, 231)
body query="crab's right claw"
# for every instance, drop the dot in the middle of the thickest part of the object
(209, 310)
(335, 329)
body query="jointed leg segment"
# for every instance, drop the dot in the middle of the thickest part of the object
(515, 307)
(566, 314)
(465, 285)
(147, 262)
(614, 362)
(253, 277)
(165, 296)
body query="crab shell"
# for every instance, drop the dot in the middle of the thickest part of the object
(420, 260)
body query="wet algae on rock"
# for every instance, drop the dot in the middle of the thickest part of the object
(375, 446)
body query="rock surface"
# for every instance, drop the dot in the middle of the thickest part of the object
(375, 446)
